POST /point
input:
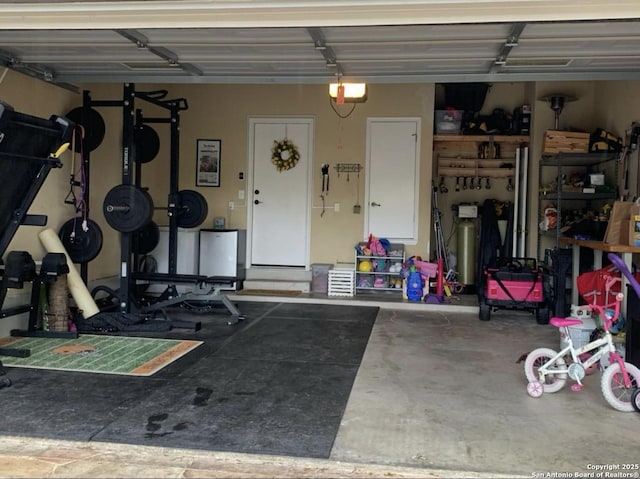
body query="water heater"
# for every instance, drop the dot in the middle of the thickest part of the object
(466, 252)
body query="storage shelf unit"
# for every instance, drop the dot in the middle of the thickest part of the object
(586, 163)
(380, 278)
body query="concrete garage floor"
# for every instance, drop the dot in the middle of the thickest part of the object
(438, 394)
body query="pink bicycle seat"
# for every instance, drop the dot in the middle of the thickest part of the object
(562, 322)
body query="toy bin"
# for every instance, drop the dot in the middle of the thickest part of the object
(448, 122)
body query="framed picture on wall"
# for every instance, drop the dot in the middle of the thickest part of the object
(208, 162)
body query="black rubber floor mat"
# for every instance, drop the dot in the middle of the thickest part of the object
(279, 384)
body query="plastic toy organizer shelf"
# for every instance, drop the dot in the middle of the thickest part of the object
(380, 273)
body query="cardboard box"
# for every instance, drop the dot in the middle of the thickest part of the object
(556, 141)
(620, 222)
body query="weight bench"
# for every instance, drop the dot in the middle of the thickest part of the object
(209, 290)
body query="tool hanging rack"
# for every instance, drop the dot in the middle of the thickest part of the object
(347, 168)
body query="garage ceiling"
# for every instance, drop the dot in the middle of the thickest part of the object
(443, 52)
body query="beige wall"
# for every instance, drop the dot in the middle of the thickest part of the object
(222, 112)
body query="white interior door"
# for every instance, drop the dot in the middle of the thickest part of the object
(279, 201)
(392, 178)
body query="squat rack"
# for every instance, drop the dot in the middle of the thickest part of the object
(177, 210)
(133, 119)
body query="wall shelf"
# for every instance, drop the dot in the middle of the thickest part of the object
(458, 155)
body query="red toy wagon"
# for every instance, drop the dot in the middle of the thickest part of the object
(514, 283)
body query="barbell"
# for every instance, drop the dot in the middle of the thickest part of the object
(128, 208)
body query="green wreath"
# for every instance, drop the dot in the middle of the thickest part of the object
(284, 154)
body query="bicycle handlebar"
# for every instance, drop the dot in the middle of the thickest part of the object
(607, 321)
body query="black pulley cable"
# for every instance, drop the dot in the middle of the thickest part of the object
(71, 198)
(78, 201)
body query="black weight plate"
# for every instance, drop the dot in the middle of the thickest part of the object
(146, 238)
(82, 246)
(127, 208)
(93, 128)
(147, 143)
(193, 209)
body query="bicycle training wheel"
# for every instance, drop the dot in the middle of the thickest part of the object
(553, 382)
(613, 389)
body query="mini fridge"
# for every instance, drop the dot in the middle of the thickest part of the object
(187, 258)
(223, 253)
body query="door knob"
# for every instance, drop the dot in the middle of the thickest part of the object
(373, 203)
(257, 192)
(257, 202)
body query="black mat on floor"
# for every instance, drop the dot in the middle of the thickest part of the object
(277, 383)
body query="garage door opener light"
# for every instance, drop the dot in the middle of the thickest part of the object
(348, 92)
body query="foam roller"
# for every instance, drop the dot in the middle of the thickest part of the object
(77, 288)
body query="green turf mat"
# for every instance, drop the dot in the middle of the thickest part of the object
(131, 356)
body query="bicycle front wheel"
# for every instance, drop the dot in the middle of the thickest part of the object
(613, 389)
(552, 382)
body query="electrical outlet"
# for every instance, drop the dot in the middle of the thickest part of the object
(231, 205)
(336, 207)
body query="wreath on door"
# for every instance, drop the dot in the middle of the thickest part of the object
(284, 154)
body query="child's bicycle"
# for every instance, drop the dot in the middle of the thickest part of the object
(547, 370)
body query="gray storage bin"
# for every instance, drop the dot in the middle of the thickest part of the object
(320, 277)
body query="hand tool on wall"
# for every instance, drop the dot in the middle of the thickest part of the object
(325, 184)
(325, 179)
(443, 186)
